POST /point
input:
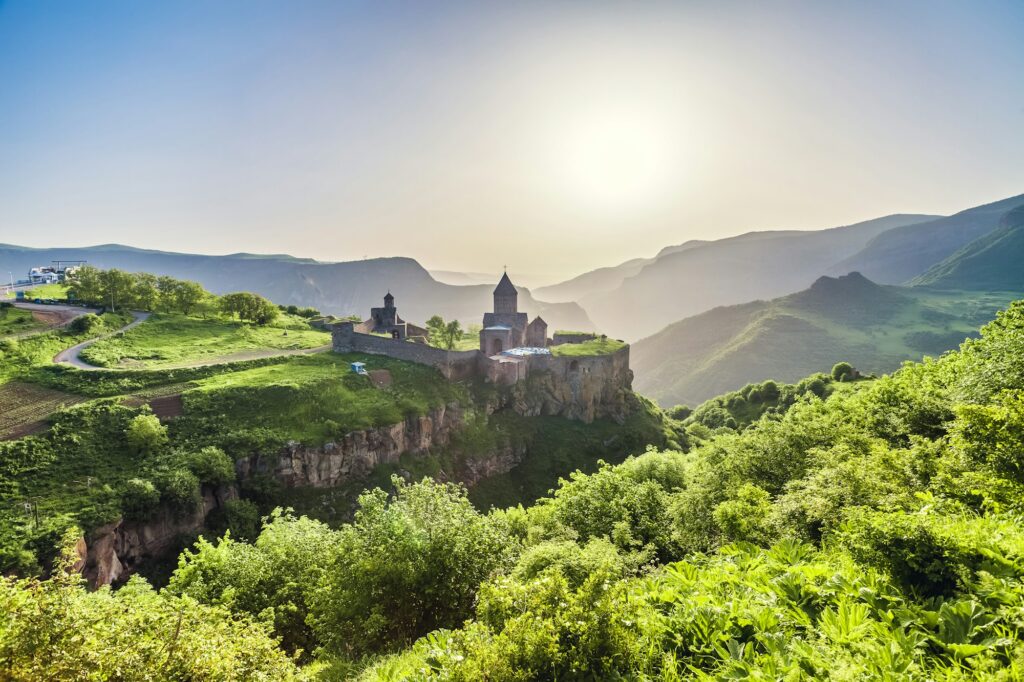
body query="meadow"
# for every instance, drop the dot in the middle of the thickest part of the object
(168, 340)
(17, 321)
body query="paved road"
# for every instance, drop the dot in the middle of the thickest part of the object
(63, 313)
(71, 356)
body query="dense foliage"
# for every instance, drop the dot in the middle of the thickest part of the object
(56, 630)
(838, 530)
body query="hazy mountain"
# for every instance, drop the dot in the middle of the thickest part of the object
(875, 327)
(901, 254)
(338, 288)
(994, 262)
(687, 280)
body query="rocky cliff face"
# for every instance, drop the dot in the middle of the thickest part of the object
(582, 388)
(357, 453)
(112, 552)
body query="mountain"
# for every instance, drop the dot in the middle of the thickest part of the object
(875, 327)
(338, 288)
(900, 254)
(994, 262)
(687, 280)
(606, 279)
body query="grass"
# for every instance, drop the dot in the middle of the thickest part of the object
(16, 321)
(27, 355)
(55, 291)
(599, 346)
(311, 399)
(167, 340)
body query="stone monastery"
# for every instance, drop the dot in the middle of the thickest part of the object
(512, 349)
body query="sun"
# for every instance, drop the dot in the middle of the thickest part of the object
(618, 159)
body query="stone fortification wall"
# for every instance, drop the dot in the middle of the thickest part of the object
(454, 365)
(559, 339)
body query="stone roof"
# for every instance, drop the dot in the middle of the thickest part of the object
(505, 286)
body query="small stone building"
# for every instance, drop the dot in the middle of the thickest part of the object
(386, 320)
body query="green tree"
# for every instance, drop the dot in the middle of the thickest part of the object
(443, 334)
(276, 575)
(841, 370)
(211, 465)
(405, 567)
(146, 434)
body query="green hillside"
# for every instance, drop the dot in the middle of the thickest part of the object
(995, 262)
(867, 532)
(847, 318)
(168, 339)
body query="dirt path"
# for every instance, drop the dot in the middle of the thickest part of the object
(52, 316)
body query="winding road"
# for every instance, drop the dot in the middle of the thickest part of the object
(72, 356)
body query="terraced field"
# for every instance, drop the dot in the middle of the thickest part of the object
(24, 407)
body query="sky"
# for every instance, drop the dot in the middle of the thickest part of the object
(551, 137)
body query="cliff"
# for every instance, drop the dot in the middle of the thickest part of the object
(112, 552)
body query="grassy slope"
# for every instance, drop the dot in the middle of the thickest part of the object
(16, 321)
(77, 470)
(54, 291)
(849, 318)
(38, 351)
(169, 339)
(311, 399)
(601, 346)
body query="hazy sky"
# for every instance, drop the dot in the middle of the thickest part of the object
(552, 137)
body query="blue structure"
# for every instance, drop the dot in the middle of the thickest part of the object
(359, 367)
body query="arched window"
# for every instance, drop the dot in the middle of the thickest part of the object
(496, 347)
(574, 366)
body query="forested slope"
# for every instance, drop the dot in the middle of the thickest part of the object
(872, 534)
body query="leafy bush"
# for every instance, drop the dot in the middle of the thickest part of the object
(243, 519)
(55, 629)
(274, 577)
(212, 466)
(841, 370)
(179, 490)
(146, 434)
(86, 324)
(139, 499)
(406, 567)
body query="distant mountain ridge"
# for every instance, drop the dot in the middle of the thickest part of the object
(876, 327)
(342, 288)
(992, 262)
(900, 254)
(755, 265)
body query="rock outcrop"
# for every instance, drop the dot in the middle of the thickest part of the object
(583, 388)
(112, 552)
(357, 453)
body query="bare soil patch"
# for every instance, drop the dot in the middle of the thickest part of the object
(25, 407)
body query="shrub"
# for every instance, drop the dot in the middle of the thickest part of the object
(139, 499)
(841, 370)
(406, 567)
(179, 489)
(86, 324)
(212, 466)
(243, 519)
(146, 434)
(745, 517)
